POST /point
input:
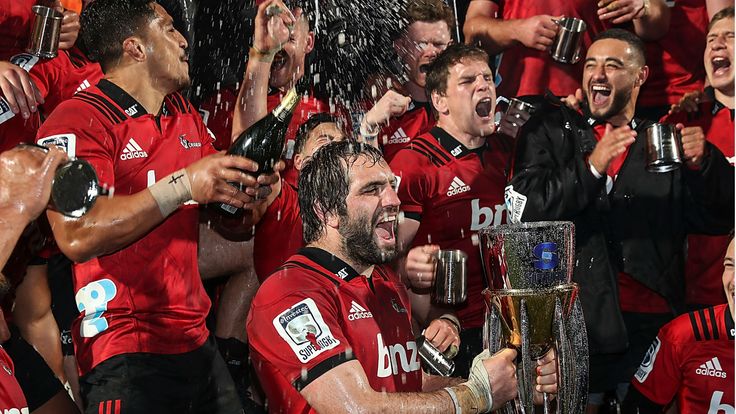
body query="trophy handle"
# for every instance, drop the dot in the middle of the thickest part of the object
(528, 372)
(572, 359)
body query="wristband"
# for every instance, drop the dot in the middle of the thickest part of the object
(453, 397)
(595, 172)
(262, 56)
(172, 191)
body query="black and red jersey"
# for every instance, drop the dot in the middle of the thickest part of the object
(315, 313)
(524, 71)
(57, 80)
(674, 69)
(148, 296)
(454, 192)
(278, 233)
(704, 265)
(417, 120)
(692, 359)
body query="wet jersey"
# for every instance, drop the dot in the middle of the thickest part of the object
(12, 399)
(57, 80)
(704, 265)
(674, 69)
(417, 120)
(315, 313)
(524, 71)
(148, 296)
(692, 359)
(454, 192)
(278, 233)
(15, 26)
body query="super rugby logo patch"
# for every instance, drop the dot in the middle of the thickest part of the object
(67, 142)
(24, 60)
(304, 329)
(648, 363)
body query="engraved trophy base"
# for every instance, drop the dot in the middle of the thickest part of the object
(533, 321)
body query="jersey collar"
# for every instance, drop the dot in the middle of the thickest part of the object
(717, 105)
(456, 148)
(123, 99)
(330, 262)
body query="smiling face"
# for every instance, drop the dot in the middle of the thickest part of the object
(166, 54)
(288, 64)
(718, 57)
(470, 98)
(418, 47)
(322, 134)
(612, 77)
(370, 226)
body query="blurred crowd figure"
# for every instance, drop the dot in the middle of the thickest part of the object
(317, 298)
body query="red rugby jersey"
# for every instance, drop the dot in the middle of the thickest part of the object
(15, 26)
(12, 399)
(454, 192)
(692, 359)
(315, 313)
(417, 120)
(704, 265)
(676, 60)
(147, 297)
(279, 233)
(523, 71)
(57, 80)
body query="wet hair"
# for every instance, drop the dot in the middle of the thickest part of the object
(726, 13)
(629, 38)
(324, 183)
(429, 11)
(439, 70)
(107, 23)
(308, 126)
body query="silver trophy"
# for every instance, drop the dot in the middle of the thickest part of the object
(532, 306)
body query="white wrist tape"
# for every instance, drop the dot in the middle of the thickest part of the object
(479, 382)
(172, 191)
(455, 402)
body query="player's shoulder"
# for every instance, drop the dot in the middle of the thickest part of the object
(293, 278)
(85, 109)
(696, 326)
(423, 151)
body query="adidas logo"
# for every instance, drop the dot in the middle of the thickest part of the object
(133, 150)
(456, 187)
(399, 137)
(358, 312)
(82, 86)
(711, 368)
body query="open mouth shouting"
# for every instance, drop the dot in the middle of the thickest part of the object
(600, 94)
(279, 60)
(484, 107)
(387, 226)
(721, 65)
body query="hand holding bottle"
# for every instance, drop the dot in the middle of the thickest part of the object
(272, 27)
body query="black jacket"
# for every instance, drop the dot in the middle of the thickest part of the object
(638, 228)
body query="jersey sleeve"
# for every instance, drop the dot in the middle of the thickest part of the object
(298, 334)
(658, 378)
(414, 180)
(44, 72)
(77, 128)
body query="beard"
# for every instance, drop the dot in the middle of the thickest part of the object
(620, 99)
(359, 241)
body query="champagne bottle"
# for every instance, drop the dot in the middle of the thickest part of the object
(263, 143)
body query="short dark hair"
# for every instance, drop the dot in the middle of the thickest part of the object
(725, 13)
(107, 23)
(324, 183)
(308, 126)
(429, 11)
(626, 36)
(439, 70)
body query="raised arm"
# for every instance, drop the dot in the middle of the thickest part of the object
(271, 32)
(650, 18)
